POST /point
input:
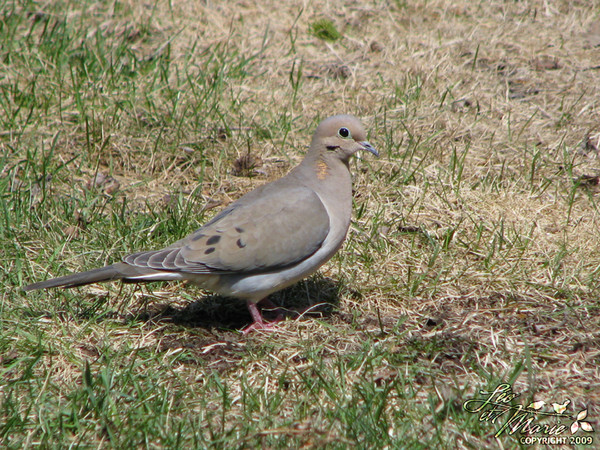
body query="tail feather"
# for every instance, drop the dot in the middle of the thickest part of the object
(119, 271)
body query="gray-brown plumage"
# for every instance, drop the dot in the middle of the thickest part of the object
(265, 241)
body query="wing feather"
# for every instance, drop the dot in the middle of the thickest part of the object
(271, 228)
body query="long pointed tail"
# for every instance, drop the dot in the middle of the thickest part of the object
(119, 271)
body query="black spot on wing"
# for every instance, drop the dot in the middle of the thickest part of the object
(239, 230)
(213, 240)
(209, 250)
(240, 244)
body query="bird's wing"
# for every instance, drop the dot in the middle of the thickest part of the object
(271, 229)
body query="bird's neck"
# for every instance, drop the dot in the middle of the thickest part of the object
(327, 175)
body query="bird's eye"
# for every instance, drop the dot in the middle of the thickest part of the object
(344, 132)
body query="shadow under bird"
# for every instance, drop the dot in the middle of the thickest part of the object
(268, 239)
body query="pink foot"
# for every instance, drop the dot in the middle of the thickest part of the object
(259, 322)
(262, 325)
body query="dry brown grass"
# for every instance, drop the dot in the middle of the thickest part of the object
(520, 77)
(506, 245)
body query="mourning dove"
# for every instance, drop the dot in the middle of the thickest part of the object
(265, 241)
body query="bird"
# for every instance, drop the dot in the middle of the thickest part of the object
(265, 241)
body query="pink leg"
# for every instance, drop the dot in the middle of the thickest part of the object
(259, 322)
(255, 313)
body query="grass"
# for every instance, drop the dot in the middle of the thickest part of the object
(471, 261)
(325, 29)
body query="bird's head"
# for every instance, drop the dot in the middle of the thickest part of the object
(343, 136)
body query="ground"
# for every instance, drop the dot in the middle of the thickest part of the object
(471, 262)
